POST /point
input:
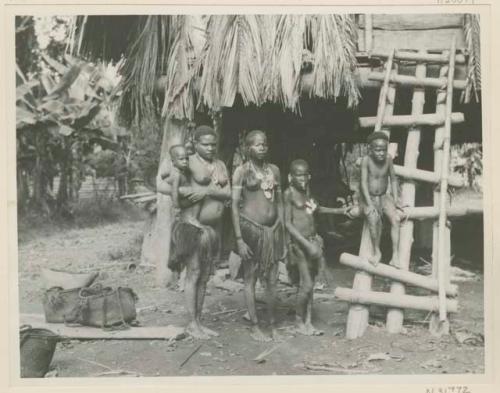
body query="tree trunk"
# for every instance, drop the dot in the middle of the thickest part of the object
(156, 242)
(39, 201)
(62, 192)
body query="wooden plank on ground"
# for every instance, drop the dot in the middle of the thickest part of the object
(168, 332)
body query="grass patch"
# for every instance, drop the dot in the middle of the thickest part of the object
(84, 214)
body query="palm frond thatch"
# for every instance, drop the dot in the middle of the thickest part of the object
(145, 61)
(472, 38)
(334, 51)
(183, 67)
(232, 61)
(285, 61)
(328, 42)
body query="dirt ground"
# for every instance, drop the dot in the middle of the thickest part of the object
(110, 248)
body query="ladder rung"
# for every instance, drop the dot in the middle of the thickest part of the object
(432, 212)
(408, 80)
(393, 273)
(430, 119)
(427, 57)
(426, 176)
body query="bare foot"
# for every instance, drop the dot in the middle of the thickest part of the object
(375, 258)
(259, 335)
(306, 330)
(208, 331)
(195, 330)
(315, 332)
(395, 261)
(277, 336)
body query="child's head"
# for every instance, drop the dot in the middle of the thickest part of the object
(179, 156)
(378, 142)
(256, 144)
(299, 176)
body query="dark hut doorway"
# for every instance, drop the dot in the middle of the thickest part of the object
(315, 135)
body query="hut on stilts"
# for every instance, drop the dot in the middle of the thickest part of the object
(312, 82)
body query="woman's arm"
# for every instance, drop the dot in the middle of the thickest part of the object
(243, 249)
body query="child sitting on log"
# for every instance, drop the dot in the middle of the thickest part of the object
(305, 256)
(375, 202)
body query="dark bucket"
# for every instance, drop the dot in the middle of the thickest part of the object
(37, 350)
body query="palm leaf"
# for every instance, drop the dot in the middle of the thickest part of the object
(334, 51)
(329, 42)
(145, 62)
(282, 83)
(232, 61)
(472, 38)
(183, 67)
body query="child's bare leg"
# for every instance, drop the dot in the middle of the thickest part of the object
(202, 288)
(395, 220)
(310, 327)
(325, 271)
(250, 278)
(374, 225)
(304, 293)
(271, 300)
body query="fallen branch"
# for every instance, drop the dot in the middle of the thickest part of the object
(234, 310)
(330, 368)
(261, 358)
(139, 195)
(190, 355)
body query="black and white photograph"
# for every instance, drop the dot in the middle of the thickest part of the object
(276, 193)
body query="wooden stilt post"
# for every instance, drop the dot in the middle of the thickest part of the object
(443, 259)
(395, 316)
(434, 326)
(368, 33)
(358, 315)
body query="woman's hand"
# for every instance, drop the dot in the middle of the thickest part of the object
(243, 250)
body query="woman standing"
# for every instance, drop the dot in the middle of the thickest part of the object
(257, 208)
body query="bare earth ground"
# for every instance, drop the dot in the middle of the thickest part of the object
(110, 248)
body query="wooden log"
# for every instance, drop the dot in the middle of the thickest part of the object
(358, 315)
(138, 195)
(403, 276)
(169, 332)
(424, 303)
(368, 32)
(408, 80)
(440, 58)
(426, 176)
(428, 119)
(432, 212)
(382, 99)
(435, 327)
(443, 277)
(394, 321)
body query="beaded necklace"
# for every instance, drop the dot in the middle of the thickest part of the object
(266, 177)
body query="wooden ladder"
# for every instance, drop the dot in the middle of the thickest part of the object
(361, 296)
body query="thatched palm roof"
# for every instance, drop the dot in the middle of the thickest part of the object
(207, 61)
(242, 55)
